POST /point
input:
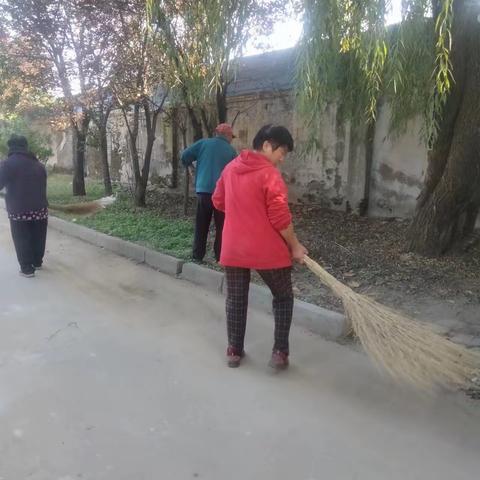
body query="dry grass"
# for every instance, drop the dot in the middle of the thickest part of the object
(408, 350)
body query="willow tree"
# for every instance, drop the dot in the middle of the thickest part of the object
(201, 40)
(429, 65)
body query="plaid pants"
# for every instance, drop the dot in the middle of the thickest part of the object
(280, 283)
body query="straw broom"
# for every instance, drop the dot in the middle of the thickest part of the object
(84, 208)
(409, 351)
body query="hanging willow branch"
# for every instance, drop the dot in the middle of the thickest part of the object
(349, 55)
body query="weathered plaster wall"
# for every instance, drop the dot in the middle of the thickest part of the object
(333, 174)
(398, 167)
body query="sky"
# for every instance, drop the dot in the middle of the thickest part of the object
(287, 33)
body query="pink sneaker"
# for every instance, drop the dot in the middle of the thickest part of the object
(279, 360)
(233, 357)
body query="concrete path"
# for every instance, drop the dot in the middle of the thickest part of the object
(112, 371)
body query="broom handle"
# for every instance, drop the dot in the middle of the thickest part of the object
(329, 280)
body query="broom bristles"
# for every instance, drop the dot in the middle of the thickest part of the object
(84, 208)
(408, 350)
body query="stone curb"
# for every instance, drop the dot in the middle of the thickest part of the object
(121, 247)
(163, 263)
(205, 277)
(74, 230)
(318, 320)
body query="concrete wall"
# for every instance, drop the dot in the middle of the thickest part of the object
(120, 155)
(398, 166)
(60, 143)
(335, 174)
(332, 175)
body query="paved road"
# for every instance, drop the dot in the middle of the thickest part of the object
(111, 371)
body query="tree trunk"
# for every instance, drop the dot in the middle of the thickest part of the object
(196, 124)
(186, 186)
(151, 117)
(222, 104)
(369, 140)
(186, 192)
(140, 194)
(174, 180)
(197, 135)
(107, 182)
(79, 145)
(209, 128)
(470, 219)
(132, 140)
(142, 182)
(448, 204)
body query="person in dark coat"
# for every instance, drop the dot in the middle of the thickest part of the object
(25, 180)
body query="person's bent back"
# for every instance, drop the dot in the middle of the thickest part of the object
(211, 156)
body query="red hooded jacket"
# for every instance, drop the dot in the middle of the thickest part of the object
(254, 197)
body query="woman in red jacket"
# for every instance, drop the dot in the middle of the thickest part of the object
(258, 234)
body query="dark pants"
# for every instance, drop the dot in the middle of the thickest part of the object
(280, 283)
(205, 210)
(29, 238)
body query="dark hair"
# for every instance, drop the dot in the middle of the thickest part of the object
(17, 141)
(278, 137)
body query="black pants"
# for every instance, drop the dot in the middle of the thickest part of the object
(205, 210)
(279, 281)
(29, 238)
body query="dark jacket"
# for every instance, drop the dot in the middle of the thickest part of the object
(25, 180)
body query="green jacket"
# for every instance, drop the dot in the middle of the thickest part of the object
(211, 155)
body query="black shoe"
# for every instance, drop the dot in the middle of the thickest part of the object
(27, 273)
(37, 266)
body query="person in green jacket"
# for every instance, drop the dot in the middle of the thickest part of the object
(211, 155)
